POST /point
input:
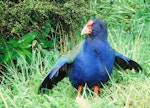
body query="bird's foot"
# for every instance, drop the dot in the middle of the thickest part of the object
(96, 88)
(79, 91)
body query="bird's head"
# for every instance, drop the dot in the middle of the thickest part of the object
(94, 27)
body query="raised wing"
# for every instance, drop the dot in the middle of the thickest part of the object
(56, 74)
(126, 63)
(60, 69)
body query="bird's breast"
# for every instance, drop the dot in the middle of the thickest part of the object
(92, 64)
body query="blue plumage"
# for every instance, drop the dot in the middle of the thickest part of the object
(94, 63)
(90, 62)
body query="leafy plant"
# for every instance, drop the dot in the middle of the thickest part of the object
(43, 36)
(14, 49)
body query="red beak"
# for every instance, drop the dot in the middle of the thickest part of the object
(87, 29)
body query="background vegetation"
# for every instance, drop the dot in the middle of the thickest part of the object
(33, 34)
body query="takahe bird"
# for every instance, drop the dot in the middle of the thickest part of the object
(90, 62)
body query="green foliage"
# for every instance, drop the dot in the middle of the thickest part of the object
(42, 38)
(22, 16)
(15, 49)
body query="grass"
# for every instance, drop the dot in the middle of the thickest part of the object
(125, 88)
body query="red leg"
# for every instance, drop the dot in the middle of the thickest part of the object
(79, 90)
(96, 88)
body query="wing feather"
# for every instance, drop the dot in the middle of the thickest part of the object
(60, 69)
(126, 63)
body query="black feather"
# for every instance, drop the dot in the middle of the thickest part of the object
(119, 62)
(48, 83)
